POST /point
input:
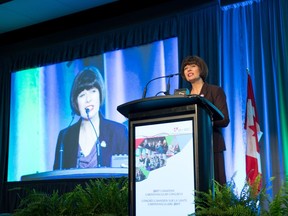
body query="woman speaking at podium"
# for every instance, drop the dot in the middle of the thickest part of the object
(195, 71)
(93, 139)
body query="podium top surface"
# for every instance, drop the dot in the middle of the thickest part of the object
(169, 101)
(105, 172)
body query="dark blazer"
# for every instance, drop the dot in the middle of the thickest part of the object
(216, 95)
(113, 133)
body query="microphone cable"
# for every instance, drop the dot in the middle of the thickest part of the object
(98, 149)
(61, 150)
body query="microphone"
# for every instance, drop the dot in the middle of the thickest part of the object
(97, 139)
(87, 112)
(167, 87)
(167, 92)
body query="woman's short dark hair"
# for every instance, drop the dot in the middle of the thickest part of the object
(88, 78)
(189, 60)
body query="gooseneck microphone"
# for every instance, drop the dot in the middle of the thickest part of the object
(167, 92)
(97, 139)
(61, 150)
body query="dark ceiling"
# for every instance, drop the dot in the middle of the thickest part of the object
(47, 17)
(16, 14)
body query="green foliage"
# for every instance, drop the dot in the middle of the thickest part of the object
(277, 206)
(110, 198)
(251, 200)
(38, 203)
(98, 197)
(224, 201)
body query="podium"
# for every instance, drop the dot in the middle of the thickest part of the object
(109, 172)
(170, 152)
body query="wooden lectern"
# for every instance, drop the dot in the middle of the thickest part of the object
(170, 152)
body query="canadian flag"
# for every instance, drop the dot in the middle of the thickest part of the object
(253, 135)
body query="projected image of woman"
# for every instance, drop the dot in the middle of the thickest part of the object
(93, 139)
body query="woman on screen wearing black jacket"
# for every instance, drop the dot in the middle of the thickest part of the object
(93, 140)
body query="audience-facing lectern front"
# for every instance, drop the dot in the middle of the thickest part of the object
(170, 153)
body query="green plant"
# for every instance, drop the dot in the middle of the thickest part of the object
(252, 200)
(110, 198)
(278, 205)
(98, 197)
(225, 200)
